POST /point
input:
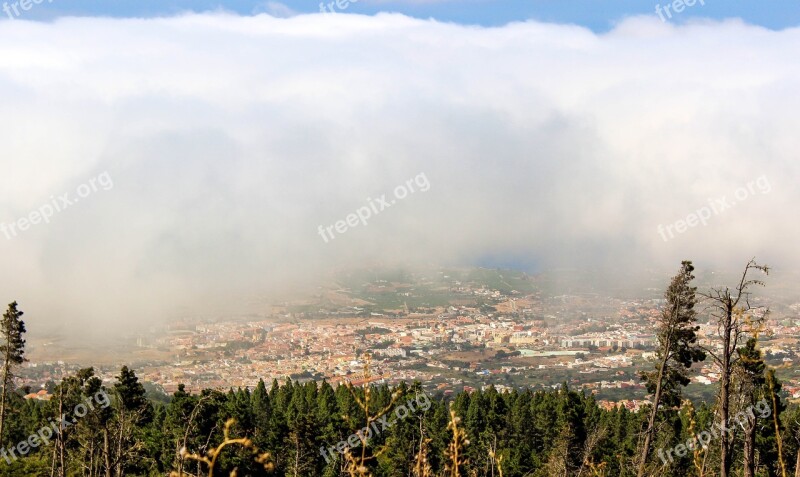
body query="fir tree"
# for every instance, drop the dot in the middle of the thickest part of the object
(13, 352)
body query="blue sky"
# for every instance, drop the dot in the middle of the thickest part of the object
(595, 14)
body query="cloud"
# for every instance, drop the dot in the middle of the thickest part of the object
(232, 139)
(275, 9)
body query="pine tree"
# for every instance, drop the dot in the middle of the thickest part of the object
(750, 380)
(13, 352)
(677, 350)
(519, 427)
(134, 411)
(132, 396)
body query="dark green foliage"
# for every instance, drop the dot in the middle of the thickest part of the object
(12, 352)
(535, 433)
(132, 396)
(677, 338)
(677, 351)
(12, 328)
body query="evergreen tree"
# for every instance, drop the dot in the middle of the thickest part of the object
(133, 413)
(132, 396)
(749, 379)
(12, 350)
(677, 351)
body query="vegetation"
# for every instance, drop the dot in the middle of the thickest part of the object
(677, 351)
(13, 351)
(300, 428)
(313, 429)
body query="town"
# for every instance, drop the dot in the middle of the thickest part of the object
(450, 330)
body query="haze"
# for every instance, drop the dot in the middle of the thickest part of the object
(230, 139)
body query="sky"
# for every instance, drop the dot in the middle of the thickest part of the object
(191, 162)
(598, 15)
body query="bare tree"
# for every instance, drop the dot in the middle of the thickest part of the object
(735, 317)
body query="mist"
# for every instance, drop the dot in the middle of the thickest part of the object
(230, 141)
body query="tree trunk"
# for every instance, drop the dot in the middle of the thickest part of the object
(106, 455)
(4, 393)
(750, 448)
(797, 465)
(651, 423)
(724, 394)
(55, 454)
(61, 445)
(91, 458)
(120, 440)
(778, 438)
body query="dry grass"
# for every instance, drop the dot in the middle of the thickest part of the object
(210, 459)
(454, 450)
(356, 466)
(422, 468)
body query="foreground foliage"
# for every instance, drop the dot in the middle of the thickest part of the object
(519, 433)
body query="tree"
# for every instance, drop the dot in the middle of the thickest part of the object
(773, 393)
(132, 396)
(735, 317)
(677, 350)
(99, 455)
(73, 435)
(134, 412)
(13, 351)
(750, 381)
(791, 422)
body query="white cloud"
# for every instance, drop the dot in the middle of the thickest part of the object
(275, 9)
(230, 139)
